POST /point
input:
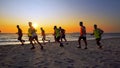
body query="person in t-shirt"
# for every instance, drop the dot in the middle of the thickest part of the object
(33, 36)
(57, 35)
(62, 31)
(54, 34)
(20, 34)
(82, 35)
(97, 32)
(43, 35)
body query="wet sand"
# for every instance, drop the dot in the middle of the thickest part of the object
(53, 56)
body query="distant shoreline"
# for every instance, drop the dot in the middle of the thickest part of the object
(56, 42)
(6, 39)
(68, 33)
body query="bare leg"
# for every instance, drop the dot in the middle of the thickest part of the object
(98, 43)
(39, 44)
(55, 38)
(58, 40)
(61, 45)
(85, 44)
(79, 41)
(61, 39)
(43, 40)
(22, 41)
(65, 39)
(32, 44)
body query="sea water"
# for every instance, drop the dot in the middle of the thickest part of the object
(11, 39)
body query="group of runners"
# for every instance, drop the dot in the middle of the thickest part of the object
(59, 35)
(97, 32)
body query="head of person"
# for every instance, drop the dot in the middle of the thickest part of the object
(95, 26)
(17, 26)
(30, 24)
(41, 28)
(55, 27)
(81, 23)
(60, 27)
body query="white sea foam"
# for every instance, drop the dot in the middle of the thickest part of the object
(6, 38)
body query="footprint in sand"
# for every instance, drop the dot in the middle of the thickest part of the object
(70, 66)
(26, 61)
(42, 63)
(22, 54)
(69, 60)
(61, 53)
(14, 58)
(41, 66)
(59, 62)
(96, 66)
(2, 64)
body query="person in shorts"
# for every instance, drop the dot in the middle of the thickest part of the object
(62, 31)
(57, 35)
(20, 34)
(33, 36)
(43, 35)
(97, 32)
(82, 35)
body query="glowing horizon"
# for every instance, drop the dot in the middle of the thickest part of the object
(64, 13)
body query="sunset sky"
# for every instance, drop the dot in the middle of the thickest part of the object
(64, 13)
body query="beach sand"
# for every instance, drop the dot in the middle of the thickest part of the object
(53, 56)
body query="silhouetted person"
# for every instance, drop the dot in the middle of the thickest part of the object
(82, 35)
(62, 31)
(97, 33)
(57, 35)
(33, 36)
(43, 35)
(54, 34)
(20, 34)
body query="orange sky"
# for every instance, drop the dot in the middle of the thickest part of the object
(66, 14)
(9, 26)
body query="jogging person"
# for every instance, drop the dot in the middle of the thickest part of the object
(57, 35)
(62, 31)
(97, 32)
(82, 35)
(54, 34)
(43, 35)
(33, 36)
(20, 34)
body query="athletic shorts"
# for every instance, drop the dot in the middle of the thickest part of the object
(82, 37)
(63, 36)
(57, 38)
(20, 38)
(32, 38)
(98, 39)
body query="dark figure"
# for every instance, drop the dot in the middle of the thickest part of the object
(33, 35)
(20, 34)
(43, 35)
(97, 33)
(62, 31)
(82, 35)
(57, 35)
(54, 34)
